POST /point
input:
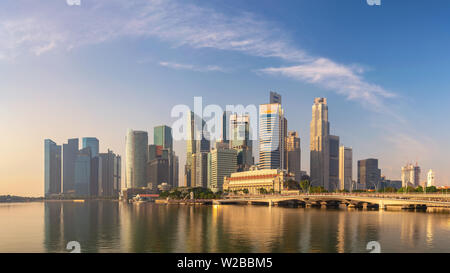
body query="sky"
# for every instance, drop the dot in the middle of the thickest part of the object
(101, 67)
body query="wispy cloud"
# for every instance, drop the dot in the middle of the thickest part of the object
(345, 80)
(180, 23)
(192, 67)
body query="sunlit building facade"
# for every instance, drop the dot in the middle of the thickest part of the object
(271, 136)
(136, 159)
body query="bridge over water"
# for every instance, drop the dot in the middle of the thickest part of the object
(381, 201)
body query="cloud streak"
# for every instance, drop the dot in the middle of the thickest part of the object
(343, 79)
(180, 66)
(40, 30)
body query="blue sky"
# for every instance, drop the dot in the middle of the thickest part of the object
(108, 65)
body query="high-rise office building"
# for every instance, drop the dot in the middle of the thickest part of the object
(226, 134)
(52, 167)
(430, 178)
(83, 173)
(271, 136)
(196, 142)
(345, 168)
(294, 155)
(222, 162)
(109, 175)
(333, 145)
(411, 175)
(136, 159)
(158, 171)
(276, 98)
(324, 157)
(369, 175)
(70, 151)
(93, 144)
(240, 141)
(162, 136)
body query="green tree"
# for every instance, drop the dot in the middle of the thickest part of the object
(305, 185)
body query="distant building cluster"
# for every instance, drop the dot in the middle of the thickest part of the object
(73, 172)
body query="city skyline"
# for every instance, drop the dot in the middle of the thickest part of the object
(93, 86)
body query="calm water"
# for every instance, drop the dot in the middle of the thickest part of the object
(107, 226)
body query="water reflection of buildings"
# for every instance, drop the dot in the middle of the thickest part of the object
(94, 225)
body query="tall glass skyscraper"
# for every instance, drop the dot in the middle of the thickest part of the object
(271, 136)
(70, 151)
(83, 173)
(324, 162)
(136, 159)
(93, 144)
(52, 167)
(240, 140)
(162, 136)
(196, 143)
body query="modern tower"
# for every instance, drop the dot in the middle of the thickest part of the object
(345, 168)
(222, 163)
(196, 142)
(324, 160)
(109, 174)
(430, 178)
(136, 158)
(83, 173)
(271, 136)
(240, 140)
(70, 151)
(52, 167)
(369, 175)
(294, 155)
(162, 136)
(411, 175)
(93, 144)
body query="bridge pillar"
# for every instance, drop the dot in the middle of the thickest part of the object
(249, 203)
(270, 203)
(365, 205)
(323, 204)
(308, 205)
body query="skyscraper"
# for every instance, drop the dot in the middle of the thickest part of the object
(276, 98)
(222, 163)
(136, 159)
(162, 136)
(345, 168)
(52, 167)
(430, 178)
(411, 175)
(70, 151)
(83, 173)
(196, 143)
(333, 145)
(226, 134)
(93, 144)
(324, 163)
(240, 140)
(294, 155)
(271, 136)
(109, 174)
(369, 175)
